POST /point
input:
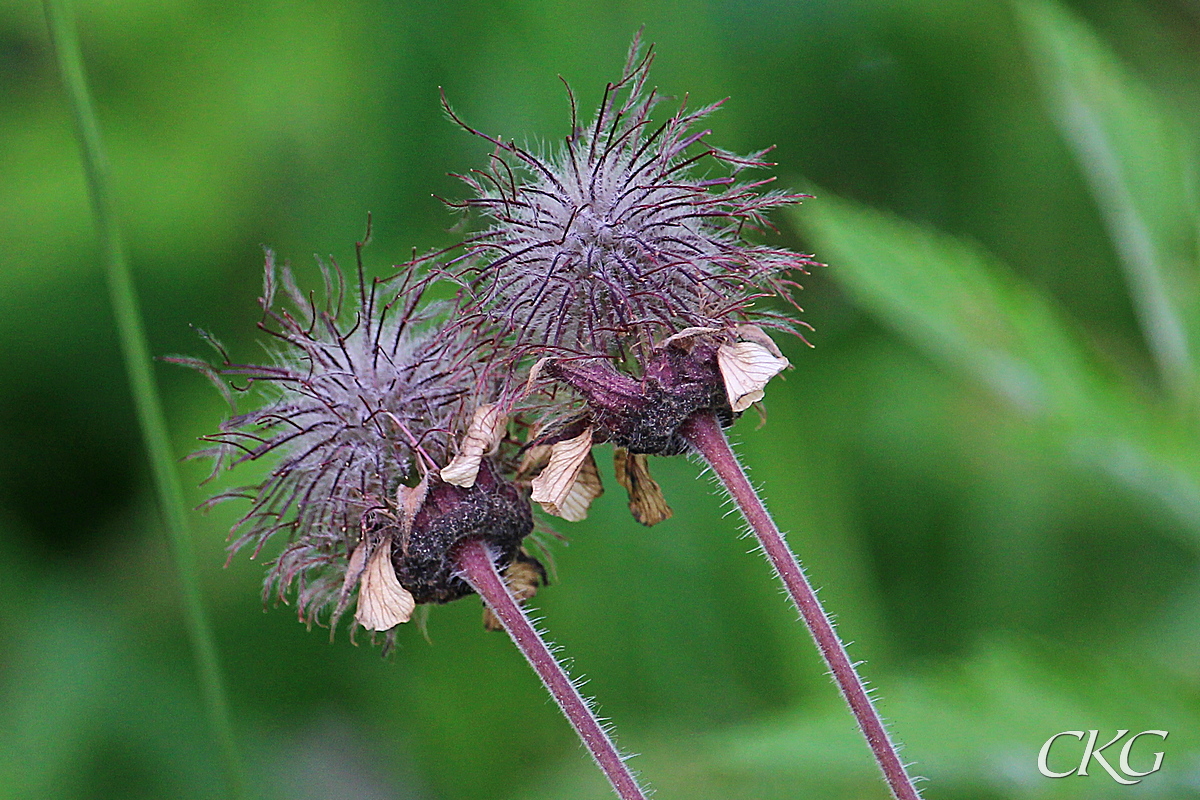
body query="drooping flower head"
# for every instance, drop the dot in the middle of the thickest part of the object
(362, 416)
(617, 265)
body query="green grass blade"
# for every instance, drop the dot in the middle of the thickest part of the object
(136, 355)
(1137, 160)
(970, 311)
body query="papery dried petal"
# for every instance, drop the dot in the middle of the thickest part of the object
(523, 578)
(382, 602)
(410, 500)
(587, 487)
(746, 367)
(646, 500)
(354, 570)
(534, 460)
(483, 434)
(683, 338)
(752, 333)
(535, 372)
(570, 481)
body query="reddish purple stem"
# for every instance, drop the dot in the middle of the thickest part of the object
(475, 560)
(704, 433)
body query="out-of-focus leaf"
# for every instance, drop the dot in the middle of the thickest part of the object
(967, 309)
(83, 707)
(972, 729)
(57, 676)
(1138, 162)
(975, 729)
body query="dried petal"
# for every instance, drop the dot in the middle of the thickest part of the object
(753, 333)
(746, 367)
(646, 501)
(570, 481)
(535, 372)
(483, 434)
(684, 337)
(410, 500)
(587, 487)
(523, 577)
(382, 602)
(354, 570)
(533, 461)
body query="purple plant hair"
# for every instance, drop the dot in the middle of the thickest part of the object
(617, 274)
(381, 483)
(619, 237)
(357, 412)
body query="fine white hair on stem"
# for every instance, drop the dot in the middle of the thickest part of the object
(703, 432)
(475, 560)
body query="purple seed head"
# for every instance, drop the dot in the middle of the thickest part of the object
(622, 255)
(359, 413)
(628, 232)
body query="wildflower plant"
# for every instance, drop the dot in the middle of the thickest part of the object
(629, 303)
(612, 297)
(391, 477)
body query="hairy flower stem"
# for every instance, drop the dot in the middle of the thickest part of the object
(704, 433)
(145, 393)
(475, 560)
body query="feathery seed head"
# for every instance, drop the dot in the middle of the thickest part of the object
(620, 238)
(620, 265)
(360, 418)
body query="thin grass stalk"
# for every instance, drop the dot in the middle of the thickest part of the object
(136, 354)
(704, 433)
(475, 561)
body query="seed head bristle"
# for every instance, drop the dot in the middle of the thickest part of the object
(351, 409)
(621, 236)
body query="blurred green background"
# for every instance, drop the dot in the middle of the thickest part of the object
(988, 461)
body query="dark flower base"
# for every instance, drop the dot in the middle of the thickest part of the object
(492, 510)
(644, 416)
